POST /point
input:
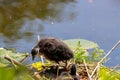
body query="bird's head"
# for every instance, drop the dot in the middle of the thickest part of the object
(34, 52)
(37, 49)
(43, 46)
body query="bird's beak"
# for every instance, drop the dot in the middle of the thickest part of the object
(33, 57)
(34, 52)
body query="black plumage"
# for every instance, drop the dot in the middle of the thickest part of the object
(52, 49)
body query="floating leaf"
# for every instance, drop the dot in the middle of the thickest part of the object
(86, 44)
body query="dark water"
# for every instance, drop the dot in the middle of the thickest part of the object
(96, 20)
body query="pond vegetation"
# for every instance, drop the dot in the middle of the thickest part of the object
(89, 59)
(87, 65)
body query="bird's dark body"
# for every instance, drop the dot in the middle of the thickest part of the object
(53, 49)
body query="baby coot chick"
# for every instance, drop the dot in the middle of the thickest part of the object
(73, 72)
(52, 49)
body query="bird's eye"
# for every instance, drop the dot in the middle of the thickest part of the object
(48, 45)
(40, 45)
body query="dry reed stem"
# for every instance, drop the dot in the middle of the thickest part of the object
(98, 64)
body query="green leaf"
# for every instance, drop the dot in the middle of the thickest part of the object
(12, 54)
(86, 44)
(14, 74)
(6, 74)
(2, 65)
(106, 74)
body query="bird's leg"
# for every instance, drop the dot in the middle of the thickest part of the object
(57, 67)
(42, 60)
(57, 62)
(66, 65)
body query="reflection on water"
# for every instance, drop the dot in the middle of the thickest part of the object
(21, 21)
(96, 20)
(13, 13)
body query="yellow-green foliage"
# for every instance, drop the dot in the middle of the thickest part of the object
(14, 74)
(39, 65)
(15, 55)
(107, 74)
(81, 48)
(80, 53)
(6, 74)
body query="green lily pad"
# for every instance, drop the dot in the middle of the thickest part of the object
(86, 44)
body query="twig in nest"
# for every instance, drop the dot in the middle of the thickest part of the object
(13, 61)
(87, 69)
(115, 67)
(114, 47)
(88, 65)
(57, 72)
(37, 76)
(24, 59)
(65, 76)
(38, 51)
